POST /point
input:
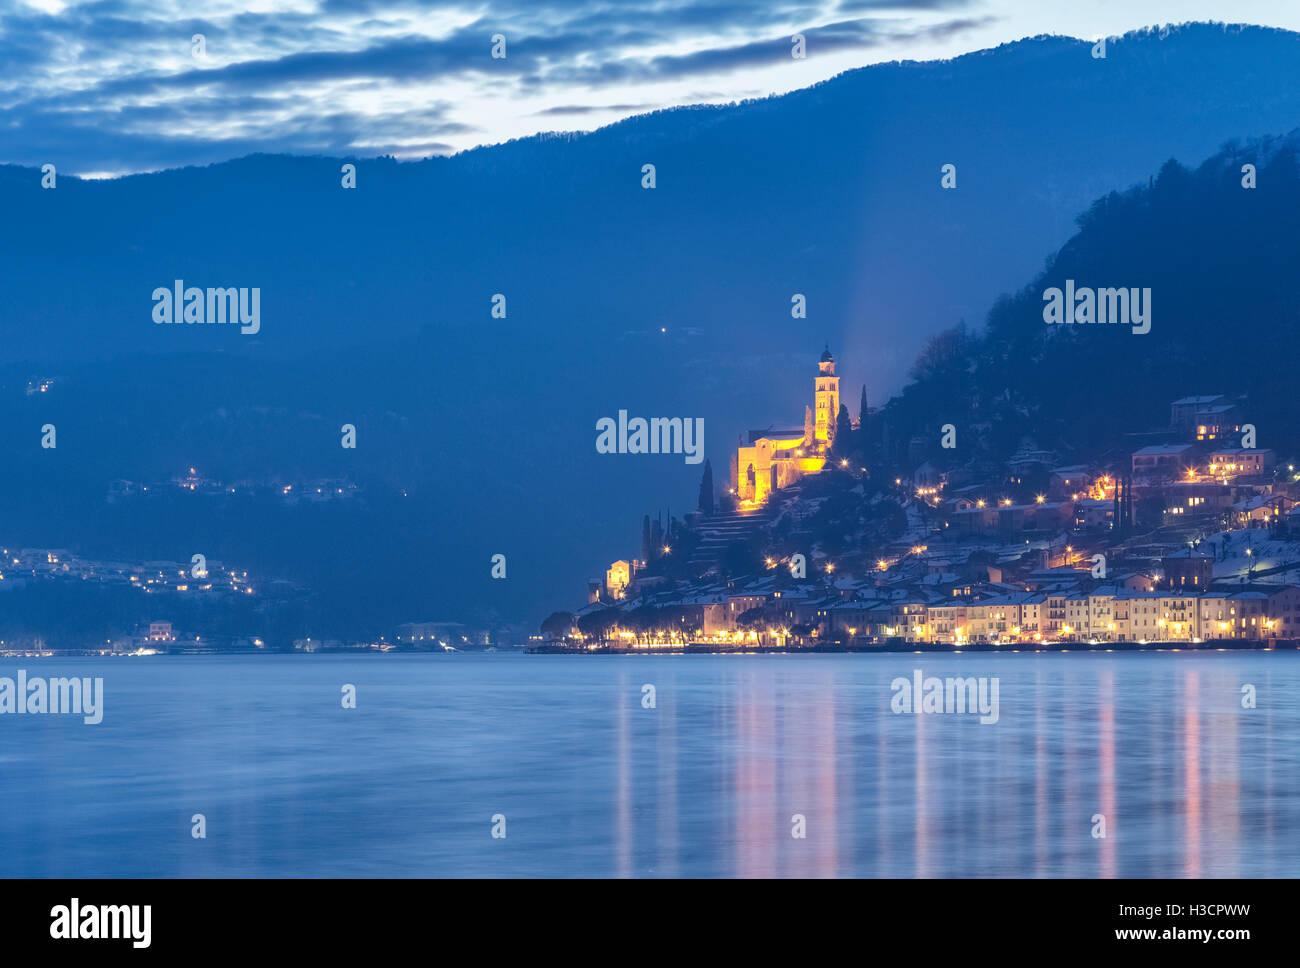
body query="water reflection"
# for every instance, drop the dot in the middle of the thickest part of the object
(1085, 744)
(1191, 764)
(707, 782)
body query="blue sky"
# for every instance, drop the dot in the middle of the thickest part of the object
(113, 86)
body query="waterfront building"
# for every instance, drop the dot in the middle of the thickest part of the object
(907, 619)
(949, 622)
(1056, 612)
(1078, 612)
(1143, 616)
(738, 605)
(1120, 615)
(861, 619)
(1178, 617)
(1234, 614)
(1101, 614)
(1283, 610)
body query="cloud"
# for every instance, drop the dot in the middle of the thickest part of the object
(112, 84)
(581, 109)
(861, 6)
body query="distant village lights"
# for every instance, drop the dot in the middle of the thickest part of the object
(987, 586)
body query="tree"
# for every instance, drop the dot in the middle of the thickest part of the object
(740, 557)
(596, 625)
(643, 620)
(842, 439)
(863, 439)
(557, 624)
(706, 488)
(945, 355)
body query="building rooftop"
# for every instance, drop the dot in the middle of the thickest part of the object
(1156, 450)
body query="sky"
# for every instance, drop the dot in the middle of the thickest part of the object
(109, 87)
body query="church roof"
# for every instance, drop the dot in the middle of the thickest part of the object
(773, 434)
(826, 356)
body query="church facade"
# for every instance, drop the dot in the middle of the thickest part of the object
(774, 459)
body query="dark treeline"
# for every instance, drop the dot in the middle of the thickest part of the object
(1219, 259)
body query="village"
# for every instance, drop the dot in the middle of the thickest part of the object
(1190, 539)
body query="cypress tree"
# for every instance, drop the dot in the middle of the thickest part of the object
(706, 488)
(842, 433)
(862, 423)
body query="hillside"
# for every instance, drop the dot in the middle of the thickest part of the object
(375, 305)
(1219, 261)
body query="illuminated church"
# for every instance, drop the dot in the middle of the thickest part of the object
(774, 459)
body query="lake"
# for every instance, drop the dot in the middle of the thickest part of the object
(736, 754)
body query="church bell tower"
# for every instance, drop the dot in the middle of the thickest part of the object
(826, 395)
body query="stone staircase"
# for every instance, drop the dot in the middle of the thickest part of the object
(720, 530)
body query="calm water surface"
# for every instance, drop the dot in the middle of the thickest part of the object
(705, 784)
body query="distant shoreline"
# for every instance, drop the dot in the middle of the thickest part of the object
(1214, 645)
(193, 653)
(900, 647)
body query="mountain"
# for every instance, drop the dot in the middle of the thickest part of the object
(375, 303)
(1218, 260)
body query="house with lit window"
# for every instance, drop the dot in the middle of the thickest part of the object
(1207, 417)
(1141, 611)
(1101, 614)
(1259, 510)
(1182, 412)
(1233, 615)
(857, 619)
(1283, 611)
(948, 622)
(1187, 570)
(1178, 618)
(1217, 421)
(1162, 462)
(1231, 462)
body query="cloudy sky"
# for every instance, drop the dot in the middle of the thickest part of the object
(113, 86)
